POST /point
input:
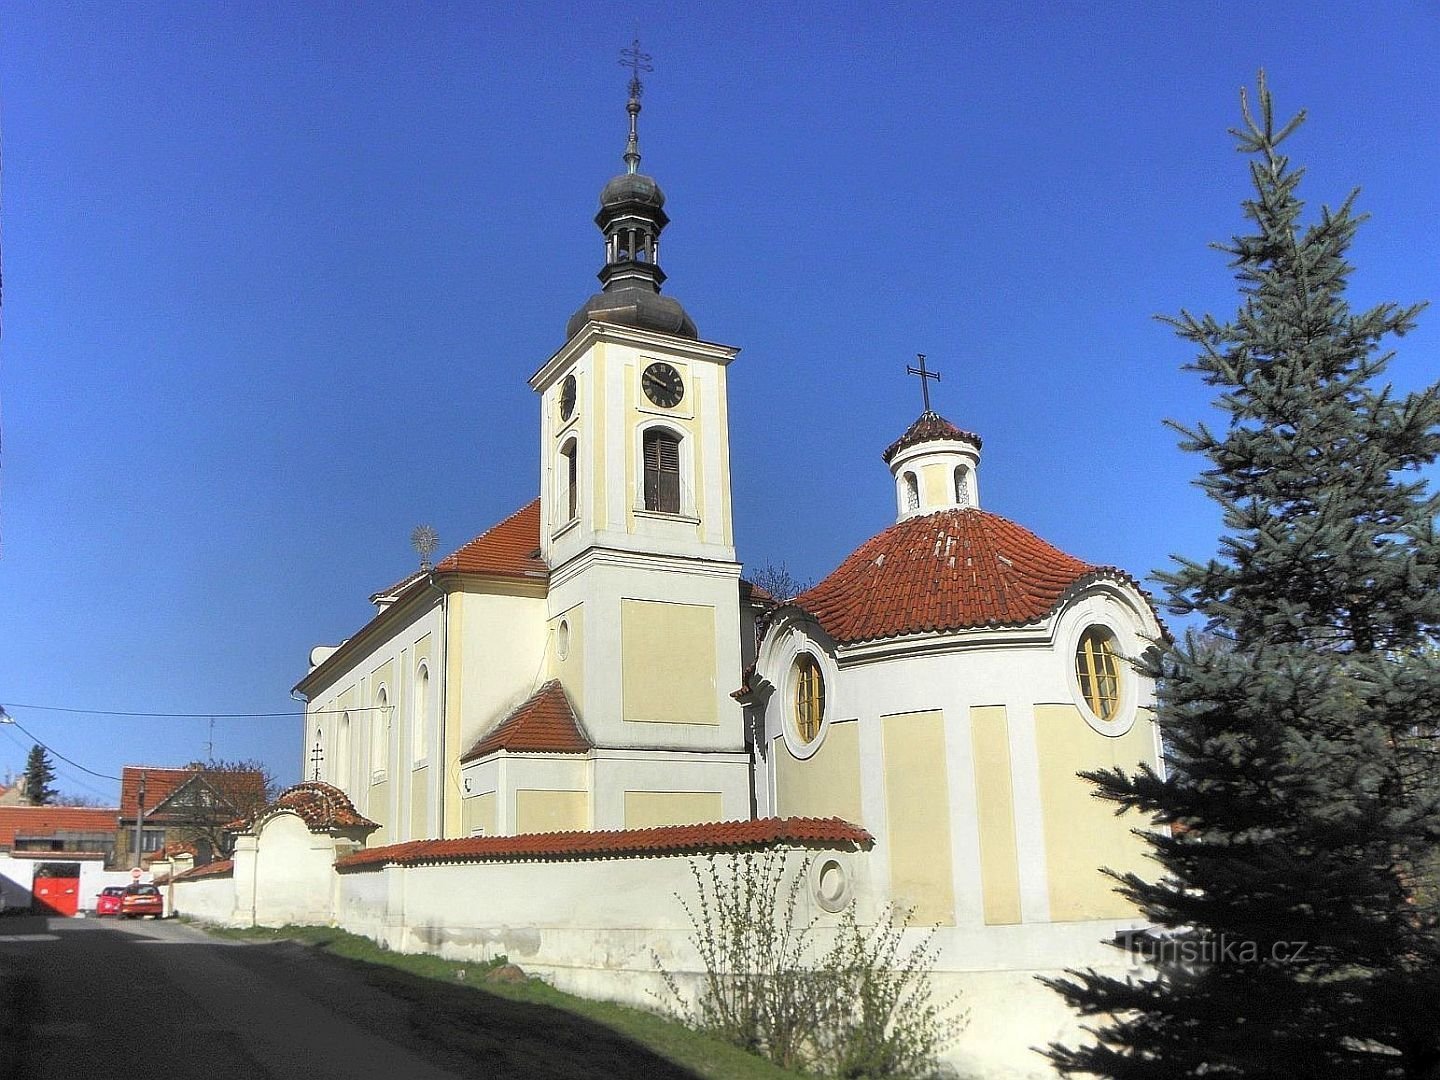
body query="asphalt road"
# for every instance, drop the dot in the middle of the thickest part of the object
(88, 999)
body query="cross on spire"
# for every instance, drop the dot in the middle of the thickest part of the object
(317, 755)
(636, 61)
(925, 377)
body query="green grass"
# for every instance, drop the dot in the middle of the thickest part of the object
(701, 1054)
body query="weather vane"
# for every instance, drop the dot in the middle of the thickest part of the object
(925, 377)
(636, 61)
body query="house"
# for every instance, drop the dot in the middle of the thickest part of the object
(189, 806)
(525, 743)
(30, 829)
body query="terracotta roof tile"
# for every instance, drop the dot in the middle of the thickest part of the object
(509, 549)
(221, 868)
(929, 427)
(619, 843)
(544, 723)
(161, 782)
(953, 570)
(27, 821)
(320, 805)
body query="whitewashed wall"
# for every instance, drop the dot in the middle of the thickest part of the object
(595, 926)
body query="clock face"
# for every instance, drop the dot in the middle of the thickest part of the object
(663, 385)
(567, 398)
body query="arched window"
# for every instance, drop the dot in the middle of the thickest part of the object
(420, 726)
(1097, 667)
(662, 471)
(962, 486)
(569, 475)
(912, 492)
(379, 731)
(809, 697)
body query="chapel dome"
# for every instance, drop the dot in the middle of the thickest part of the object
(959, 569)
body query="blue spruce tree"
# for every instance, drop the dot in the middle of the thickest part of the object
(1301, 807)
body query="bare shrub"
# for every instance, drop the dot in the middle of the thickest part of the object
(862, 1008)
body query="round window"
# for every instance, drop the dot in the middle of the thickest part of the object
(809, 697)
(1097, 669)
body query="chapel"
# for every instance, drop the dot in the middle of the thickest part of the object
(595, 663)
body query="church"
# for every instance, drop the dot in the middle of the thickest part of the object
(592, 674)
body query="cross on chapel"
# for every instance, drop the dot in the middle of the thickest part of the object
(925, 377)
(317, 755)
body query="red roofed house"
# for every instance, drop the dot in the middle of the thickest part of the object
(574, 668)
(189, 805)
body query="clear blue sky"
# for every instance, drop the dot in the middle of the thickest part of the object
(276, 274)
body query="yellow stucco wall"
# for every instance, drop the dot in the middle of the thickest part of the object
(1083, 833)
(917, 803)
(668, 662)
(939, 484)
(551, 811)
(995, 814)
(419, 797)
(378, 811)
(650, 809)
(450, 796)
(826, 784)
(478, 812)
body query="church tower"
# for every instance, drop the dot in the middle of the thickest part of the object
(644, 623)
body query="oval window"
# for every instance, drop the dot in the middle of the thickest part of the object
(1097, 668)
(809, 697)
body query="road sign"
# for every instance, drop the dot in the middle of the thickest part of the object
(135, 874)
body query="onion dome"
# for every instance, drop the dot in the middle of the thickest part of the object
(957, 569)
(631, 217)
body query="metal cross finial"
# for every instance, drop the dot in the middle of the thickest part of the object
(317, 755)
(925, 377)
(636, 61)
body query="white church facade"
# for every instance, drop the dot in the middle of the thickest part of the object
(590, 680)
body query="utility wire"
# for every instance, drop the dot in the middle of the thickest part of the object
(194, 715)
(62, 757)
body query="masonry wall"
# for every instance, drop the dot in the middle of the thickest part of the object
(596, 926)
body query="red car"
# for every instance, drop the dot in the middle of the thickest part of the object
(138, 900)
(108, 902)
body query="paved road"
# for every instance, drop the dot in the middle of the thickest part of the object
(86, 999)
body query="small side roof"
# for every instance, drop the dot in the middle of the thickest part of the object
(545, 722)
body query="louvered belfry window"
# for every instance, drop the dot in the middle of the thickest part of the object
(662, 472)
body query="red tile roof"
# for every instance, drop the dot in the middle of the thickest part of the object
(929, 427)
(241, 789)
(509, 549)
(619, 843)
(220, 868)
(953, 570)
(320, 805)
(48, 820)
(160, 783)
(543, 723)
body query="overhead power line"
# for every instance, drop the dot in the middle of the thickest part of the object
(75, 764)
(193, 715)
